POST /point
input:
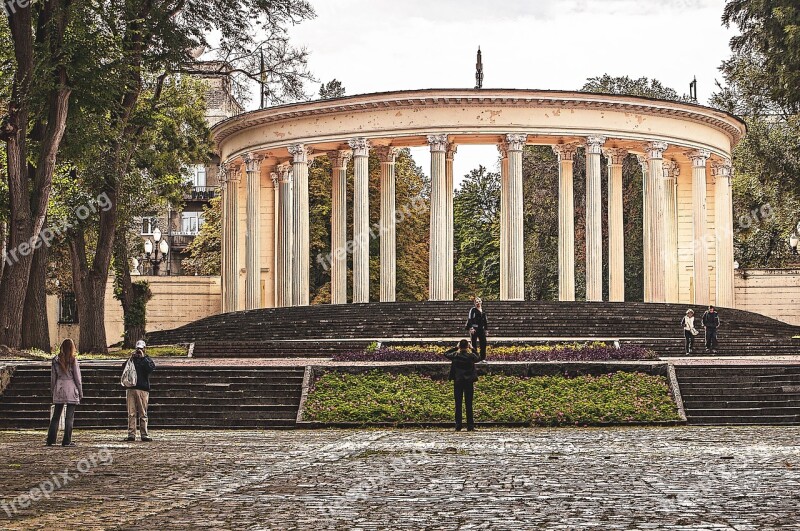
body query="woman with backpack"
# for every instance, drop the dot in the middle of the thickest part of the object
(464, 376)
(66, 387)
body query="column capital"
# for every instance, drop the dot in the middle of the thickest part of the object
(594, 144)
(299, 152)
(655, 150)
(222, 175)
(615, 156)
(233, 172)
(721, 168)
(515, 141)
(437, 142)
(671, 169)
(699, 157)
(252, 162)
(285, 172)
(565, 151)
(276, 177)
(644, 163)
(386, 154)
(340, 158)
(451, 151)
(360, 146)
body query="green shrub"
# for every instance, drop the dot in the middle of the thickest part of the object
(544, 400)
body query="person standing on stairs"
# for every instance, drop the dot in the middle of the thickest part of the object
(66, 386)
(477, 325)
(689, 331)
(138, 396)
(711, 323)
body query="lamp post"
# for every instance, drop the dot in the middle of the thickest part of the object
(794, 241)
(155, 250)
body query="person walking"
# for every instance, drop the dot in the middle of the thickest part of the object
(711, 323)
(477, 325)
(139, 395)
(689, 331)
(463, 376)
(66, 386)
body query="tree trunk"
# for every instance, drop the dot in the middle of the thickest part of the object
(90, 291)
(125, 293)
(35, 331)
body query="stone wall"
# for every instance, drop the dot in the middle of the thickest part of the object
(6, 372)
(772, 292)
(177, 300)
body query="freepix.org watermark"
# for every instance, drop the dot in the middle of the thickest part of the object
(48, 234)
(57, 481)
(417, 205)
(10, 7)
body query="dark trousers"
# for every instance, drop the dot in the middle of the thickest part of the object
(465, 391)
(689, 341)
(711, 338)
(69, 420)
(479, 335)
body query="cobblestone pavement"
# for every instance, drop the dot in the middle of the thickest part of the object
(621, 478)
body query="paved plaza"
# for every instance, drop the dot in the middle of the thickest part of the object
(620, 478)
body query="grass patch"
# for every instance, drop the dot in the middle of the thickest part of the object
(378, 396)
(172, 351)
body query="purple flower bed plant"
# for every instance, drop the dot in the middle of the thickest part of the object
(585, 353)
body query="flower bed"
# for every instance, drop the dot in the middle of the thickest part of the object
(562, 352)
(381, 397)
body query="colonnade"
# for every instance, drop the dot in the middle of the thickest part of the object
(660, 222)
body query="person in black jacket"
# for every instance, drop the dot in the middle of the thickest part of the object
(139, 396)
(477, 325)
(464, 376)
(711, 323)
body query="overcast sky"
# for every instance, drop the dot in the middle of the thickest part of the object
(382, 45)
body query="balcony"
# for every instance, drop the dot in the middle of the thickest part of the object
(201, 193)
(181, 240)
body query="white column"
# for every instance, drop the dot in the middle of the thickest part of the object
(504, 207)
(647, 251)
(283, 295)
(276, 194)
(671, 281)
(655, 191)
(222, 176)
(360, 148)
(437, 273)
(448, 170)
(594, 219)
(722, 172)
(566, 221)
(702, 287)
(301, 269)
(515, 143)
(231, 238)
(339, 160)
(252, 299)
(616, 228)
(386, 155)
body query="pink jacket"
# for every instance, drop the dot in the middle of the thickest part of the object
(67, 387)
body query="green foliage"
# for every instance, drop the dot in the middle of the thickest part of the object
(154, 352)
(205, 251)
(476, 236)
(544, 400)
(769, 29)
(136, 315)
(331, 89)
(648, 88)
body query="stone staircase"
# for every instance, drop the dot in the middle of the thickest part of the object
(740, 394)
(194, 397)
(314, 331)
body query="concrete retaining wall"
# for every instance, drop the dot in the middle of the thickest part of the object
(772, 292)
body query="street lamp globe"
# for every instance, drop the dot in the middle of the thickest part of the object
(148, 246)
(156, 235)
(793, 241)
(163, 247)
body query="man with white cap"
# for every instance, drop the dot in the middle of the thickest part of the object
(138, 396)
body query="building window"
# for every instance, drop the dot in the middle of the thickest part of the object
(199, 176)
(67, 309)
(191, 222)
(149, 225)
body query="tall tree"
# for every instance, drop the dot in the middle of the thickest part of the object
(331, 89)
(36, 89)
(648, 88)
(154, 40)
(770, 29)
(205, 251)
